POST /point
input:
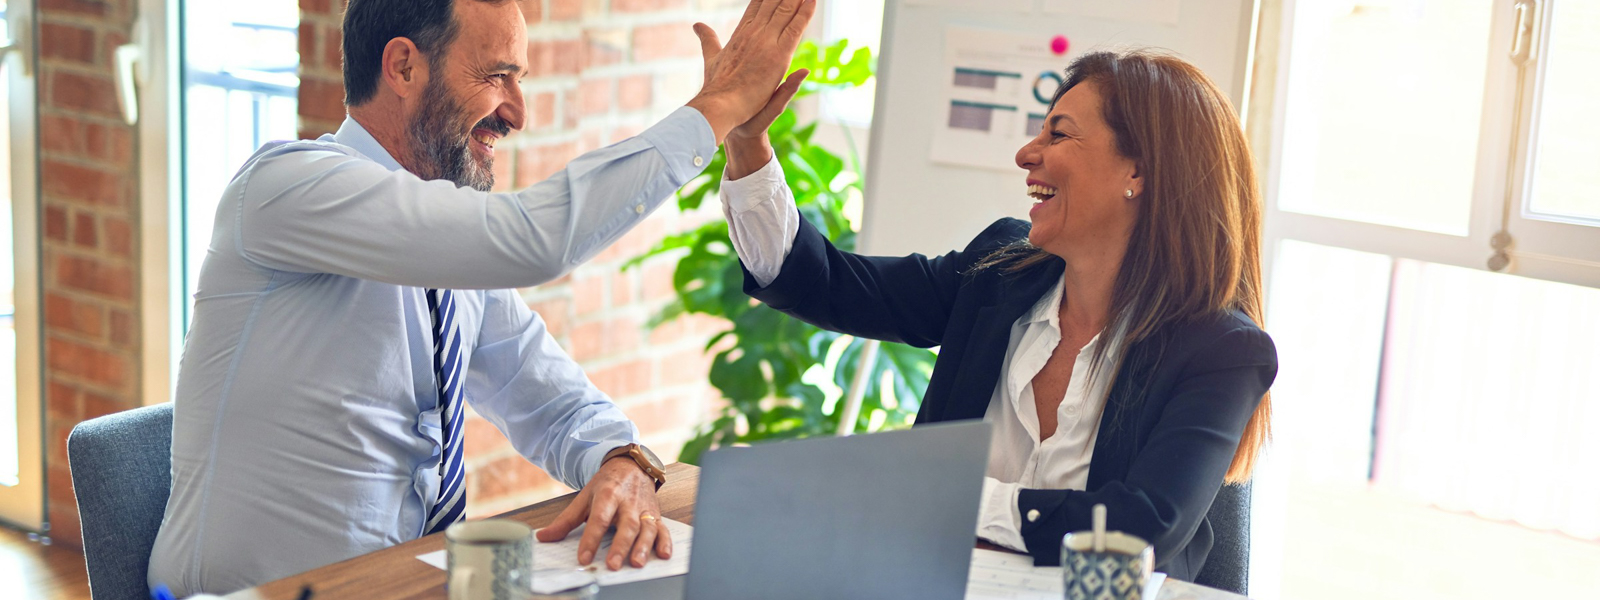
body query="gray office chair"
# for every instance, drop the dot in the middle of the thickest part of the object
(122, 474)
(1228, 565)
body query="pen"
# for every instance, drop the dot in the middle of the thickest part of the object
(161, 592)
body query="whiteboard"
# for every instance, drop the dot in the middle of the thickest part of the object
(913, 204)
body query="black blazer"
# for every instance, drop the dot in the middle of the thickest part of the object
(1173, 417)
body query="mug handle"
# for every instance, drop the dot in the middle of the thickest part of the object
(460, 580)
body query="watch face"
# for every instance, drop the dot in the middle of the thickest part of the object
(651, 456)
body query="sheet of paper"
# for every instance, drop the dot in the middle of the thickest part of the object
(1146, 11)
(997, 91)
(1006, 576)
(563, 555)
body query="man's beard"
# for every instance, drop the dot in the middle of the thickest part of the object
(441, 149)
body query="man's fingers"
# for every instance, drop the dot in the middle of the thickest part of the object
(750, 11)
(647, 538)
(663, 541)
(622, 543)
(797, 23)
(595, 532)
(765, 11)
(564, 523)
(710, 45)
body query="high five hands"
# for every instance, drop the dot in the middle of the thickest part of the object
(744, 81)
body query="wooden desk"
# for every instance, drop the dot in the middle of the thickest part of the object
(394, 573)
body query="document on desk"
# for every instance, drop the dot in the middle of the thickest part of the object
(1006, 576)
(563, 555)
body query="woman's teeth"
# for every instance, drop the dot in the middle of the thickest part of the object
(1041, 192)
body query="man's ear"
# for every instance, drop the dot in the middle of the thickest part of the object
(404, 69)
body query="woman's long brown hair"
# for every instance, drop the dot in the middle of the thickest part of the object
(1196, 245)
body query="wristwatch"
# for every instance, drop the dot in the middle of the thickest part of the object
(643, 457)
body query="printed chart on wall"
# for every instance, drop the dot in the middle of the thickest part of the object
(998, 87)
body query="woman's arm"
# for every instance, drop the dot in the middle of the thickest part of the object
(1174, 477)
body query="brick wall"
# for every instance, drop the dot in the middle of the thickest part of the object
(601, 71)
(89, 178)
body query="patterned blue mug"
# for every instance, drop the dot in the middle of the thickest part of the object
(1118, 573)
(489, 559)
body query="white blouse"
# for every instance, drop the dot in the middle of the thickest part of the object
(762, 222)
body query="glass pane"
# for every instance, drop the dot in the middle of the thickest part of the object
(8, 333)
(1565, 180)
(1382, 111)
(239, 93)
(861, 22)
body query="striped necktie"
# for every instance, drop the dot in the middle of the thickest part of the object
(452, 500)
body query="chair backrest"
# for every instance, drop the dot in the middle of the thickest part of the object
(1228, 565)
(122, 474)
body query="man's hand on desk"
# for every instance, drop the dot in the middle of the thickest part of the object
(618, 495)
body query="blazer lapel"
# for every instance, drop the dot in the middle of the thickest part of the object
(991, 336)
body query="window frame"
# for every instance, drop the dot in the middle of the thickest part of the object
(24, 505)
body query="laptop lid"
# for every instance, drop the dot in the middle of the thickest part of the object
(885, 515)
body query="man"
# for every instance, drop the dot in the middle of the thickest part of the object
(354, 297)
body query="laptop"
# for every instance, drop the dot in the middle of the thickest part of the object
(885, 515)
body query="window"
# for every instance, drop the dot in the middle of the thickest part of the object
(21, 456)
(1432, 200)
(861, 22)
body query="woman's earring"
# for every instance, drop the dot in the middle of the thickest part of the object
(1128, 194)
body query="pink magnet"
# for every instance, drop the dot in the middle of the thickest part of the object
(1059, 45)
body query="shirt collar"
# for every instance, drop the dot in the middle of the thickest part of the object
(1048, 308)
(352, 134)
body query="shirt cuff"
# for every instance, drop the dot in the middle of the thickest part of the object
(999, 520)
(766, 184)
(685, 139)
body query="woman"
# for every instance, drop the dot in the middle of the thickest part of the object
(1115, 343)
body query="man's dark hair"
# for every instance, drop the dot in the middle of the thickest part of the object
(370, 24)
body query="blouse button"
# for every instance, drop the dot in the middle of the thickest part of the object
(639, 210)
(699, 162)
(1033, 515)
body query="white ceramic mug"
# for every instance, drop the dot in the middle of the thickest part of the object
(489, 559)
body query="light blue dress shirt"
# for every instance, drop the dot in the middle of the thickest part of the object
(307, 424)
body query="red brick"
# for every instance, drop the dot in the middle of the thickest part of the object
(84, 184)
(322, 99)
(55, 223)
(589, 292)
(119, 236)
(122, 334)
(691, 365)
(566, 10)
(483, 439)
(84, 232)
(77, 7)
(670, 333)
(333, 49)
(588, 340)
(307, 42)
(638, 6)
(60, 478)
(595, 96)
(65, 314)
(65, 531)
(555, 314)
(92, 94)
(316, 7)
(623, 380)
(623, 335)
(604, 47)
(555, 57)
(633, 92)
(89, 275)
(542, 111)
(61, 401)
(662, 415)
(109, 42)
(507, 476)
(588, 140)
(64, 135)
(537, 163)
(623, 288)
(670, 40)
(66, 42)
(571, 113)
(111, 144)
(98, 405)
(93, 365)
